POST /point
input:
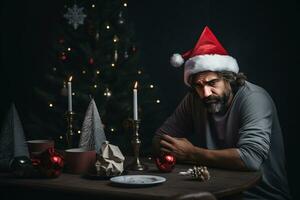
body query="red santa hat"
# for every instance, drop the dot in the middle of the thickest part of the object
(207, 55)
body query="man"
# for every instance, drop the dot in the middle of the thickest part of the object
(232, 123)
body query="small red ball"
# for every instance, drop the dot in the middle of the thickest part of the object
(165, 163)
(51, 164)
(91, 61)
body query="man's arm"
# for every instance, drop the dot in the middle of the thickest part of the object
(178, 124)
(182, 149)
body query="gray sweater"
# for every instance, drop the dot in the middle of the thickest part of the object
(250, 124)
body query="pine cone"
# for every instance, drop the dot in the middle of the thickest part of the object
(200, 172)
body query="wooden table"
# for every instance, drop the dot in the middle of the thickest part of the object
(223, 184)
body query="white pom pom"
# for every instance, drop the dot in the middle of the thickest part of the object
(176, 60)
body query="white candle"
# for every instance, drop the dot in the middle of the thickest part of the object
(70, 94)
(135, 104)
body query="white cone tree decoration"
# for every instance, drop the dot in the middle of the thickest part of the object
(12, 139)
(92, 132)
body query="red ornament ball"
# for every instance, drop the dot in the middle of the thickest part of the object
(91, 61)
(51, 163)
(165, 163)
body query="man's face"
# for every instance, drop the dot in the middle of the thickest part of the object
(213, 90)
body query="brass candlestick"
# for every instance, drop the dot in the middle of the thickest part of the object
(70, 131)
(136, 143)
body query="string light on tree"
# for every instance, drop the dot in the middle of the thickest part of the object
(64, 90)
(97, 36)
(91, 61)
(73, 93)
(126, 54)
(113, 64)
(63, 56)
(93, 6)
(125, 4)
(115, 39)
(107, 92)
(139, 71)
(83, 71)
(69, 49)
(61, 137)
(107, 27)
(95, 86)
(98, 72)
(78, 131)
(133, 48)
(50, 105)
(121, 19)
(61, 41)
(54, 69)
(157, 101)
(151, 86)
(116, 56)
(112, 130)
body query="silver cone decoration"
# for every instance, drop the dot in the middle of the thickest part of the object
(12, 139)
(92, 132)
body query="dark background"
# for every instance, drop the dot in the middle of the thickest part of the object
(261, 35)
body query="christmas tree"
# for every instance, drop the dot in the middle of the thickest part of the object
(93, 44)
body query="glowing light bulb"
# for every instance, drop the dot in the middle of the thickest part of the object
(125, 4)
(157, 101)
(151, 86)
(116, 39)
(50, 105)
(93, 6)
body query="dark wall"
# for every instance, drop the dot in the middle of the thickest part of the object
(261, 35)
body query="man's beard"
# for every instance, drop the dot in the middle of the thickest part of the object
(216, 104)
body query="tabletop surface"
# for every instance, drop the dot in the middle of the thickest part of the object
(222, 183)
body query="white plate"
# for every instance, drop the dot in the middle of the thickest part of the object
(138, 180)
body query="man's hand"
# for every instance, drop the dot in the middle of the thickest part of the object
(181, 148)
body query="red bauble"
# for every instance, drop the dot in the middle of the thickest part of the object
(51, 163)
(91, 61)
(165, 163)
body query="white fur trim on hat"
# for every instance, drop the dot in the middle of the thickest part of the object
(213, 62)
(176, 60)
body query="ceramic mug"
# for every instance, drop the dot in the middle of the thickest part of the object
(79, 160)
(38, 146)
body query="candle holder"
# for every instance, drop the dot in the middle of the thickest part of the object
(70, 131)
(136, 143)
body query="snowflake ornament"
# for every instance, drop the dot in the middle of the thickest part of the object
(75, 16)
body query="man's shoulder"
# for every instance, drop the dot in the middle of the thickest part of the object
(254, 95)
(249, 89)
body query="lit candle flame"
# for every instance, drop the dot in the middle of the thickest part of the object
(70, 79)
(135, 85)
